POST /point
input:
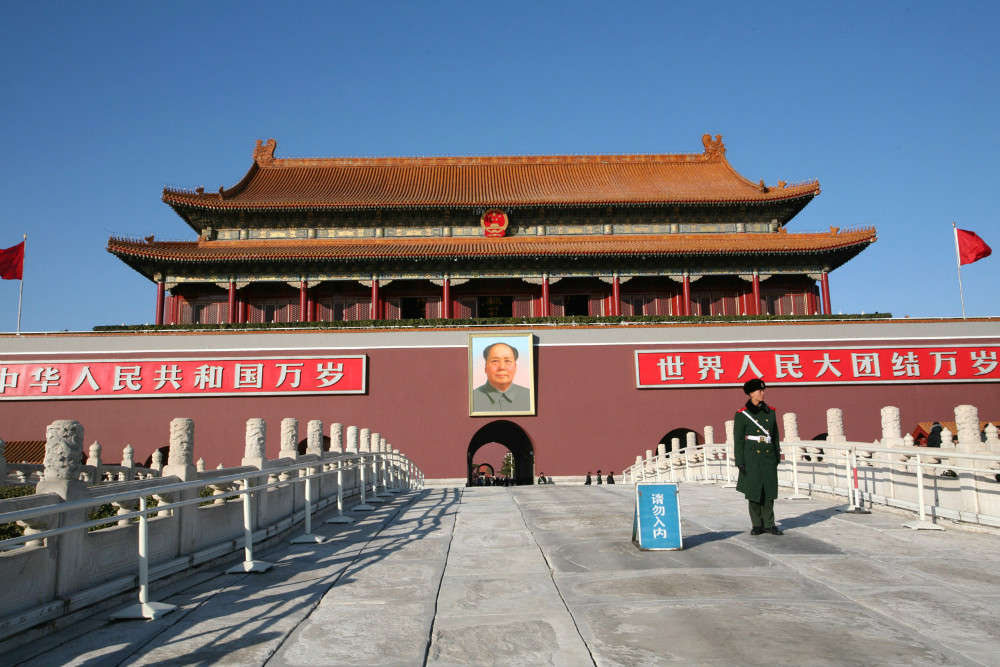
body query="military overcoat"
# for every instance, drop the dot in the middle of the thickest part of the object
(756, 447)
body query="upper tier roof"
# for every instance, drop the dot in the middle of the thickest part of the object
(502, 181)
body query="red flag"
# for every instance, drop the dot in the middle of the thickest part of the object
(971, 248)
(12, 262)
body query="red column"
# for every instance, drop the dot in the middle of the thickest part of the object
(175, 309)
(310, 306)
(825, 286)
(241, 311)
(160, 293)
(376, 302)
(232, 302)
(546, 302)
(446, 298)
(686, 294)
(303, 305)
(616, 296)
(755, 307)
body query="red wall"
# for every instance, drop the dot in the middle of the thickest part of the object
(590, 414)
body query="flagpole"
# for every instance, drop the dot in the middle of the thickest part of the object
(958, 261)
(20, 292)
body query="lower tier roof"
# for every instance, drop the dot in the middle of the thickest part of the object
(150, 256)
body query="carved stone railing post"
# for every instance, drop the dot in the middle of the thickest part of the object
(314, 437)
(835, 426)
(157, 462)
(337, 438)
(967, 423)
(992, 438)
(256, 435)
(790, 421)
(180, 458)
(364, 441)
(63, 453)
(128, 461)
(63, 456)
(690, 443)
(289, 442)
(254, 454)
(180, 464)
(993, 443)
(730, 427)
(94, 460)
(289, 439)
(947, 439)
(891, 433)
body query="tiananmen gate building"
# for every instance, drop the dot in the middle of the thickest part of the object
(443, 243)
(301, 240)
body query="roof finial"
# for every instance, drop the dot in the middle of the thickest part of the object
(263, 153)
(713, 147)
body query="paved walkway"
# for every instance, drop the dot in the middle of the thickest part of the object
(548, 576)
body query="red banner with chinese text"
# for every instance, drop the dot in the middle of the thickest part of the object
(150, 378)
(658, 369)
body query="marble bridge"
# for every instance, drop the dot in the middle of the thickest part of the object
(548, 575)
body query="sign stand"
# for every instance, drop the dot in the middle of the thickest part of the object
(656, 524)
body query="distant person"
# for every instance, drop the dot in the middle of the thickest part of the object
(588, 481)
(611, 477)
(499, 393)
(934, 437)
(542, 479)
(599, 481)
(757, 453)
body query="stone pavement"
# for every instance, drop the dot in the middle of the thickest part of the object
(547, 575)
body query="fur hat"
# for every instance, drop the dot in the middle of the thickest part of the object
(750, 386)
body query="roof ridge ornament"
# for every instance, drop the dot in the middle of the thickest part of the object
(263, 153)
(714, 148)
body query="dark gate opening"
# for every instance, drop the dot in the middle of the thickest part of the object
(511, 436)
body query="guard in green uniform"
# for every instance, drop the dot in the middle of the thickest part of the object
(757, 453)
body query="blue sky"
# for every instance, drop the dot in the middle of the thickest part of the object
(892, 106)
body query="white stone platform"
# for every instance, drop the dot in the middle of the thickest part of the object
(547, 575)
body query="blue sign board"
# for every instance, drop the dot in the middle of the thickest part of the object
(657, 522)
